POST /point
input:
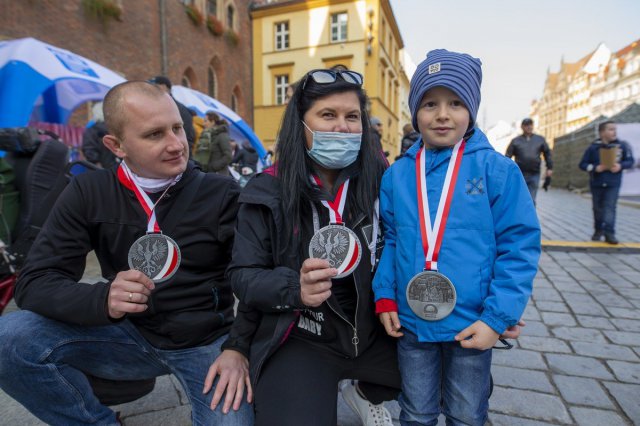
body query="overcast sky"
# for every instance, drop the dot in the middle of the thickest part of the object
(517, 41)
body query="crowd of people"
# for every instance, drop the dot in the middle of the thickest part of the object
(346, 272)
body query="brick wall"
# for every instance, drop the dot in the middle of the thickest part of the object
(132, 46)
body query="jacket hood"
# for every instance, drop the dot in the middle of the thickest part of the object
(477, 142)
(217, 129)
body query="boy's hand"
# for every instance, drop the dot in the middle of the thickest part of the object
(477, 336)
(391, 323)
(513, 332)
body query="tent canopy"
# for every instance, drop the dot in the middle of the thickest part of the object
(202, 103)
(45, 83)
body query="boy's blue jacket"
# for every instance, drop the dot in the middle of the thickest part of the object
(491, 244)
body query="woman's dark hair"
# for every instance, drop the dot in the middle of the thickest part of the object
(294, 166)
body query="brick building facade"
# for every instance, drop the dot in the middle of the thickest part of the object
(138, 45)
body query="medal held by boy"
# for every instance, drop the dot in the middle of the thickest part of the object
(336, 243)
(430, 294)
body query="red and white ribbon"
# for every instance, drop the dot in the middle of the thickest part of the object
(124, 175)
(432, 236)
(335, 207)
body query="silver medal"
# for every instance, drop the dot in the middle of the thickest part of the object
(339, 245)
(155, 255)
(431, 295)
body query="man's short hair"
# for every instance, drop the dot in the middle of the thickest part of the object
(604, 124)
(161, 79)
(212, 116)
(527, 121)
(114, 115)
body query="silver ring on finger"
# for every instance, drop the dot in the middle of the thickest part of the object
(130, 297)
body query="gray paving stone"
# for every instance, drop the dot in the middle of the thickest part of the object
(541, 283)
(546, 294)
(631, 293)
(531, 313)
(624, 312)
(535, 328)
(593, 417)
(627, 396)
(578, 334)
(521, 379)
(598, 322)
(519, 358)
(543, 344)
(625, 371)
(613, 300)
(548, 306)
(590, 308)
(502, 420)
(533, 405)
(12, 413)
(627, 338)
(582, 274)
(170, 417)
(569, 286)
(573, 365)
(582, 391)
(605, 351)
(626, 324)
(555, 318)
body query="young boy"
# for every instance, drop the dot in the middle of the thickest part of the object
(462, 248)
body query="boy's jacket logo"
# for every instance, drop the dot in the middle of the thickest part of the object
(475, 186)
(434, 68)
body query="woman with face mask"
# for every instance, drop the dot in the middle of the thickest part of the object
(305, 249)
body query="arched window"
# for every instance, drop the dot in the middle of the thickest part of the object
(211, 82)
(230, 16)
(234, 102)
(185, 81)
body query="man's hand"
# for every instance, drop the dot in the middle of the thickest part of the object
(549, 173)
(600, 168)
(477, 336)
(129, 293)
(315, 281)
(615, 168)
(391, 323)
(233, 369)
(513, 332)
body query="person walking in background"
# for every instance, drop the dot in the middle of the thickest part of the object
(526, 149)
(92, 147)
(605, 159)
(165, 84)
(409, 137)
(462, 243)
(198, 126)
(214, 147)
(246, 158)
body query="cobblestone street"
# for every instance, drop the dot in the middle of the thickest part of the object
(576, 363)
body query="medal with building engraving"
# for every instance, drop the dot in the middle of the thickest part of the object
(431, 295)
(339, 245)
(155, 255)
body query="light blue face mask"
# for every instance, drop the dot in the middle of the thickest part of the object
(334, 150)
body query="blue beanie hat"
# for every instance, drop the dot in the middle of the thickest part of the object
(458, 72)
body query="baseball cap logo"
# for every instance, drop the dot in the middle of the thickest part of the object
(434, 68)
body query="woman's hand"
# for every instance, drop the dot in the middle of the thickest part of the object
(315, 281)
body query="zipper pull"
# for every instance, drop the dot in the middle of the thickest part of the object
(355, 339)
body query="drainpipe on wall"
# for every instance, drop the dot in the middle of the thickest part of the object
(163, 38)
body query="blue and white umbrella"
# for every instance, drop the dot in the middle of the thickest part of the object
(45, 83)
(201, 103)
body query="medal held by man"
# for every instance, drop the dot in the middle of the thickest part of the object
(336, 243)
(430, 294)
(156, 255)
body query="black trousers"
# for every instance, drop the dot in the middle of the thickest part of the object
(299, 383)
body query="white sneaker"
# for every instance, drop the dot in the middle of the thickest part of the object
(370, 414)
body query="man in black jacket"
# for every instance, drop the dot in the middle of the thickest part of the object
(162, 231)
(526, 149)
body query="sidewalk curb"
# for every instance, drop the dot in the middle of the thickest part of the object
(590, 246)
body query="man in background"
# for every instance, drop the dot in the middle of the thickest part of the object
(165, 84)
(526, 149)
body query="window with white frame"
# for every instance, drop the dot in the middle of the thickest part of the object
(282, 82)
(212, 7)
(282, 35)
(338, 27)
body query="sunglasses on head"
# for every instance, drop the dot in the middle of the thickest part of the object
(330, 76)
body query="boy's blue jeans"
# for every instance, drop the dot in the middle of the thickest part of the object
(604, 207)
(442, 376)
(41, 362)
